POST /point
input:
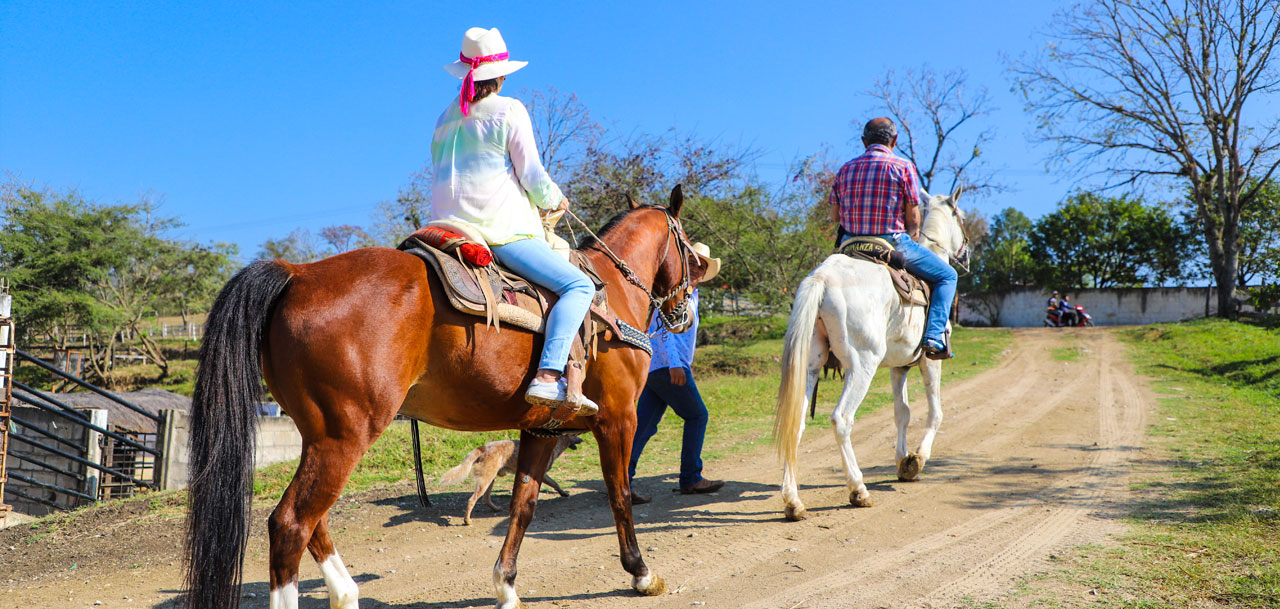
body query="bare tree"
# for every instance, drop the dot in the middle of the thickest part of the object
(562, 126)
(1153, 89)
(939, 114)
(343, 237)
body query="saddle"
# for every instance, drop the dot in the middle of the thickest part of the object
(478, 285)
(911, 289)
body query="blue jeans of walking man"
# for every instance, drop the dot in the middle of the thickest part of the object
(659, 393)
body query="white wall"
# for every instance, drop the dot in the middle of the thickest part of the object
(1025, 307)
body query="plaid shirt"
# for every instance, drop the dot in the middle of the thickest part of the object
(869, 192)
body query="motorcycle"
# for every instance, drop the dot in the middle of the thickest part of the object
(1054, 319)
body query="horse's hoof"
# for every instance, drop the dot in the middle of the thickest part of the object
(796, 513)
(650, 585)
(909, 468)
(862, 499)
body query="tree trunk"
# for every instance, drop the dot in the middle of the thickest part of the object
(1222, 238)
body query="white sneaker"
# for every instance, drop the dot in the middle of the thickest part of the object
(553, 395)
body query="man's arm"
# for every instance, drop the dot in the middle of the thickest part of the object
(911, 201)
(911, 218)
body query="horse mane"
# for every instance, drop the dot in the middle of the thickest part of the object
(589, 240)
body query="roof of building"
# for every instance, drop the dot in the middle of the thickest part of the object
(151, 400)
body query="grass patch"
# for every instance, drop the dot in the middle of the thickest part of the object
(1206, 528)
(1070, 352)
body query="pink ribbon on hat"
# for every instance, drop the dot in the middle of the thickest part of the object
(468, 83)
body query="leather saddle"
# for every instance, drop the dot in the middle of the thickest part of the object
(500, 296)
(911, 289)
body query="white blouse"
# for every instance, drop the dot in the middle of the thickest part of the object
(487, 172)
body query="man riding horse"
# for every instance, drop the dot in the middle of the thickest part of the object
(877, 194)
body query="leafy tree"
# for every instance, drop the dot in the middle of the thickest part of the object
(100, 269)
(1005, 259)
(1092, 241)
(49, 244)
(1260, 237)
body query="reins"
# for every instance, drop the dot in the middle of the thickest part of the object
(678, 317)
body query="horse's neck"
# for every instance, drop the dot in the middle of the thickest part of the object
(639, 253)
(937, 234)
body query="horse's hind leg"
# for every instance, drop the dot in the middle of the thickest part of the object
(297, 522)
(908, 463)
(531, 466)
(343, 591)
(793, 507)
(857, 381)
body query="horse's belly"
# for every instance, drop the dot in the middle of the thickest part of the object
(466, 407)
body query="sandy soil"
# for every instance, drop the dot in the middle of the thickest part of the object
(1033, 457)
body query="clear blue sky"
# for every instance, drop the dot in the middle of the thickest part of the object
(252, 119)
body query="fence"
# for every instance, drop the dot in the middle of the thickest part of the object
(62, 457)
(1025, 307)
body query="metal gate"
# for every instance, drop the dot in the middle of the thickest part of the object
(57, 456)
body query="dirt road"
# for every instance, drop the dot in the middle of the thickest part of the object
(1032, 457)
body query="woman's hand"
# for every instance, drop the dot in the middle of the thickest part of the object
(564, 204)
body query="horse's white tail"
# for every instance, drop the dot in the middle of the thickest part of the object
(795, 364)
(459, 473)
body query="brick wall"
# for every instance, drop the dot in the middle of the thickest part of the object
(78, 477)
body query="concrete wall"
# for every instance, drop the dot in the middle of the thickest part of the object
(278, 440)
(1109, 306)
(80, 478)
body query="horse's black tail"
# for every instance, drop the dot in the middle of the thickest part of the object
(223, 424)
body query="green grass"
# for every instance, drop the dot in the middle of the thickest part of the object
(1070, 352)
(1206, 528)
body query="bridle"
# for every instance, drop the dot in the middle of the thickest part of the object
(961, 257)
(681, 315)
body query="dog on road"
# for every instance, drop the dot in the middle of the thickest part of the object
(495, 459)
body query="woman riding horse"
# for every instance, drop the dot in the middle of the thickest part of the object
(487, 174)
(347, 343)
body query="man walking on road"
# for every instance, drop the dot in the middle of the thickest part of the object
(671, 384)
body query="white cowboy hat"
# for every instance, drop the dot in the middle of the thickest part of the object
(491, 49)
(701, 250)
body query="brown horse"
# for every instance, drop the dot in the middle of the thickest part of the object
(348, 342)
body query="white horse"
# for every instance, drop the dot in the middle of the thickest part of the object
(848, 306)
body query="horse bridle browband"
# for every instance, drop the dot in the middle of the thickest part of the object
(681, 315)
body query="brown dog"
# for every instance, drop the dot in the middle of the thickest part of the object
(496, 459)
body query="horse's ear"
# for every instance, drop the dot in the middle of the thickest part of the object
(677, 200)
(955, 194)
(631, 202)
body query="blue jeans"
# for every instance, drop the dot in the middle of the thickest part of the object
(534, 260)
(687, 403)
(925, 264)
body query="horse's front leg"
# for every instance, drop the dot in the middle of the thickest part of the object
(614, 437)
(531, 465)
(931, 370)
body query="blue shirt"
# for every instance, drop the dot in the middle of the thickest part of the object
(674, 350)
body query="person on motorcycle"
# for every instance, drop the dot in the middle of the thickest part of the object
(1067, 313)
(1053, 300)
(878, 194)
